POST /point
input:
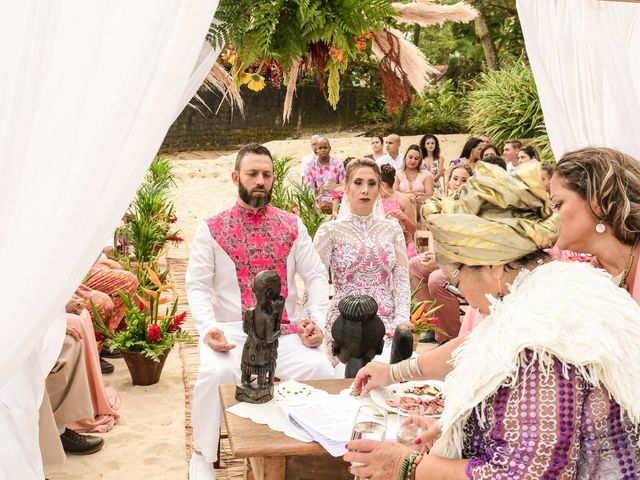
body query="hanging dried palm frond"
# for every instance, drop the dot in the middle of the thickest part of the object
(426, 13)
(411, 62)
(291, 89)
(219, 79)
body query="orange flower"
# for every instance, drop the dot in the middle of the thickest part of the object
(338, 55)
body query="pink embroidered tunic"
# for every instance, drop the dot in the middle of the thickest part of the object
(231, 248)
(367, 255)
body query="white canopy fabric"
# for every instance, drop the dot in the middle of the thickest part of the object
(585, 57)
(87, 93)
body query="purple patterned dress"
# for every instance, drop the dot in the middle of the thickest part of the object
(554, 426)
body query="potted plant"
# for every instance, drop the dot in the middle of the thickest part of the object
(149, 334)
(422, 317)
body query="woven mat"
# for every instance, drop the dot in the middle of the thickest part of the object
(230, 468)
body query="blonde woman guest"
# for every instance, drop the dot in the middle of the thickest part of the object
(377, 148)
(366, 252)
(433, 161)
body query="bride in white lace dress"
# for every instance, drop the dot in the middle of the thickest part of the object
(366, 253)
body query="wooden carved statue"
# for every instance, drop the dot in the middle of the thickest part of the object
(262, 326)
(358, 332)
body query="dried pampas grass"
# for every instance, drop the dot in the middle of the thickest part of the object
(219, 79)
(411, 59)
(291, 89)
(426, 13)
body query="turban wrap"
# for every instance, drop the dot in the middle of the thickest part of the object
(494, 218)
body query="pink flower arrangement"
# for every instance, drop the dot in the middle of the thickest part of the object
(154, 333)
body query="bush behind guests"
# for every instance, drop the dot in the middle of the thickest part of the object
(505, 105)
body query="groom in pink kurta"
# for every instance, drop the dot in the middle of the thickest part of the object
(228, 251)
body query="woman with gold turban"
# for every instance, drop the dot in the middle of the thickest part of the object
(546, 386)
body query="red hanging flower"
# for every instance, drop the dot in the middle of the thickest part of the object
(177, 322)
(435, 321)
(154, 333)
(140, 306)
(175, 238)
(173, 219)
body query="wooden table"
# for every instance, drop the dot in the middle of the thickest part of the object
(272, 455)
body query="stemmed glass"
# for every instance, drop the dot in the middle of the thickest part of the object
(370, 424)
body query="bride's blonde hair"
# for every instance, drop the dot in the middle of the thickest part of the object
(357, 163)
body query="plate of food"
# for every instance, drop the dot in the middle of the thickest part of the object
(425, 393)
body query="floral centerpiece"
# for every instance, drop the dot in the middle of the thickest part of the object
(422, 317)
(150, 330)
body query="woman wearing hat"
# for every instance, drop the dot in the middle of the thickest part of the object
(546, 386)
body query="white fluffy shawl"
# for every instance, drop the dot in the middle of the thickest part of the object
(567, 310)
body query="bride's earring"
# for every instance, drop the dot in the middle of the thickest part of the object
(600, 227)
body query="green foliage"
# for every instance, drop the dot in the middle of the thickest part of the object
(294, 197)
(505, 105)
(147, 222)
(438, 110)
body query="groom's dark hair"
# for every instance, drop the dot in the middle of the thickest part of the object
(251, 148)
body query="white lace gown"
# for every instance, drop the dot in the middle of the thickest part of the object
(367, 255)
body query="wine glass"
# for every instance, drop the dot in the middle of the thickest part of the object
(370, 424)
(409, 424)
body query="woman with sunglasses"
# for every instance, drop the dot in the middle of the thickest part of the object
(546, 386)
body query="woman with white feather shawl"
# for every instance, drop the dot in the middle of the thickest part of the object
(547, 385)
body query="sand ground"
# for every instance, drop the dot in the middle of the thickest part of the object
(150, 442)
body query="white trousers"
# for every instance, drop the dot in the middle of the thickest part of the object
(295, 362)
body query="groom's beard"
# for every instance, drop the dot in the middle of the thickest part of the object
(253, 200)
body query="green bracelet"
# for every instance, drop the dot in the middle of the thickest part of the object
(408, 466)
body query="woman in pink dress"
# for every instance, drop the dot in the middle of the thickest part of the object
(412, 178)
(366, 252)
(398, 206)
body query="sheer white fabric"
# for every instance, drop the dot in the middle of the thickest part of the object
(88, 92)
(585, 60)
(366, 255)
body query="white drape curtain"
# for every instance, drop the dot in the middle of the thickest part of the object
(87, 93)
(585, 57)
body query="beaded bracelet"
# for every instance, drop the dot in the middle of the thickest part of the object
(408, 469)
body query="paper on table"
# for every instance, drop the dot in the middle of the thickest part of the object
(329, 419)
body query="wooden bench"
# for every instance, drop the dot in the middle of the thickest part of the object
(271, 455)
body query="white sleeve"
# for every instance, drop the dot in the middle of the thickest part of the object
(199, 280)
(313, 273)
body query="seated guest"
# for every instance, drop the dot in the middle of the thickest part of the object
(377, 148)
(546, 386)
(323, 174)
(489, 151)
(458, 175)
(470, 153)
(526, 154)
(393, 156)
(313, 142)
(510, 153)
(546, 171)
(495, 160)
(69, 398)
(227, 253)
(398, 206)
(433, 160)
(412, 178)
(101, 287)
(365, 252)
(105, 400)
